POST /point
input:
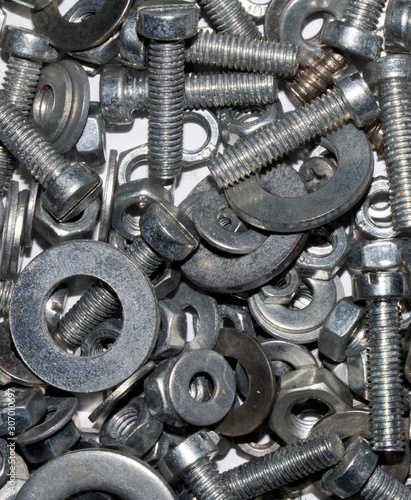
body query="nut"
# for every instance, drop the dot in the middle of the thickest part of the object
(357, 372)
(380, 255)
(90, 148)
(30, 407)
(172, 337)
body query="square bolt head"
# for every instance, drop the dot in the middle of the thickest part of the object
(168, 20)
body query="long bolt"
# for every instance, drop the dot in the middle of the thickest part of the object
(324, 114)
(237, 52)
(229, 16)
(284, 466)
(382, 486)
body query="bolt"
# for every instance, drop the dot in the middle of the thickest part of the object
(317, 76)
(375, 135)
(192, 460)
(390, 77)
(284, 466)
(68, 188)
(350, 99)
(166, 234)
(244, 54)
(6, 289)
(358, 473)
(356, 31)
(129, 92)
(382, 285)
(229, 16)
(167, 25)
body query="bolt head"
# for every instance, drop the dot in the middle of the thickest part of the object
(379, 255)
(27, 44)
(168, 20)
(389, 286)
(390, 66)
(397, 27)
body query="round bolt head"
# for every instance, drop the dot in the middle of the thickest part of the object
(389, 286)
(397, 27)
(357, 95)
(27, 44)
(390, 66)
(354, 470)
(167, 20)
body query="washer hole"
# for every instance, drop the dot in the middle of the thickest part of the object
(43, 105)
(312, 26)
(302, 297)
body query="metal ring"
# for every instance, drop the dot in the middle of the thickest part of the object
(209, 148)
(108, 196)
(91, 32)
(47, 360)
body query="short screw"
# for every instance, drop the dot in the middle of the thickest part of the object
(229, 16)
(167, 25)
(390, 77)
(350, 99)
(284, 466)
(192, 460)
(237, 52)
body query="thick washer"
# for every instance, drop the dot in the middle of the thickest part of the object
(108, 196)
(242, 420)
(96, 470)
(40, 352)
(91, 32)
(353, 175)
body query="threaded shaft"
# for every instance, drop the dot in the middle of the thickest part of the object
(375, 135)
(144, 256)
(284, 466)
(165, 109)
(95, 306)
(384, 375)
(382, 486)
(395, 104)
(245, 54)
(248, 155)
(6, 288)
(229, 16)
(20, 82)
(122, 422)
(206, 483)
(8, 165)
(28, 146)
(363, 14)
(316, 77)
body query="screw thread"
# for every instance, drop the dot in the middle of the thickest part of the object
(375, 135)
(229, 16)
(245, 54)
(316, 77)
(144, 256)
(165, 108)
(122, 422)
(7, 167)
(20, 82)
(284, 466)
(382, 486)
(6, 289)
(384, 375)
(395, 104)
(363, 14)
(27, 145)
(204, 481)
(95, 306)
(327, 112)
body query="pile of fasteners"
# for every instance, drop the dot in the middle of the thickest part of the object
(158, 322)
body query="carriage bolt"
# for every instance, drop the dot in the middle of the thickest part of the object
(356, 31)
(284, 466)
(167, 234)
(350, 99)
(229, 16)
(244, 54)
(167, 24)
(390, 77)
(69, 188)
(123, 92)
(358, 473)
(192, 460)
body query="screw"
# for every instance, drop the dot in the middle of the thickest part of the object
(235, 51)
(129, 92)
(167, 233)
(350, 99)
(166, 24)
(284, 466)
(317, 76)
(381, 285)
(356, 32)
(358, 473)
(192, 460)
(229, 16)
(390, 76)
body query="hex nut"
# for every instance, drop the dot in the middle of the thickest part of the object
(30, 407)
(379, 255)
(132, 429)
(339, 328)
(91, 147)
(172, 337)
(302, 389)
